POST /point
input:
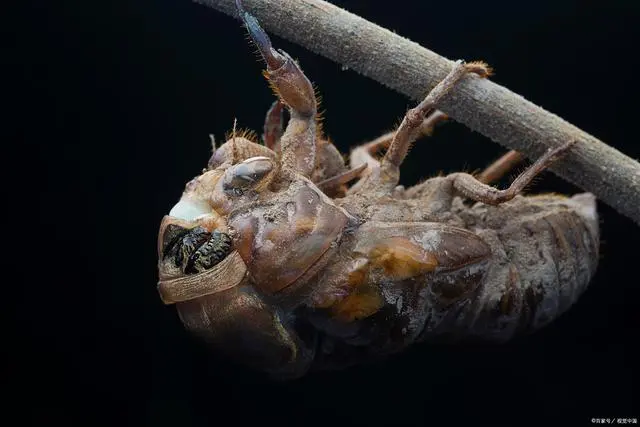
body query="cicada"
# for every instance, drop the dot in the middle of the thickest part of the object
(288, 258)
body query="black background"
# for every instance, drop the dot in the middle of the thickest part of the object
(115, 115)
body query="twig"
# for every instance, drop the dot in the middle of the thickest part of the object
(480, 104)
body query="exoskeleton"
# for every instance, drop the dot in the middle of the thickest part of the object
(287, 259)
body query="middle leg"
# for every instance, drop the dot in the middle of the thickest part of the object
(362, 157)
(389, 171)
(273, 128)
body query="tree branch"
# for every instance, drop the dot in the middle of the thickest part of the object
(480, 104)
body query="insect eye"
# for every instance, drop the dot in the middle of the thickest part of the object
(247, 175)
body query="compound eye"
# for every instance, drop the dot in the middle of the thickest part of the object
(251, 174)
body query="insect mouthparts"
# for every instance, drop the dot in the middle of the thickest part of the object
(214, 250)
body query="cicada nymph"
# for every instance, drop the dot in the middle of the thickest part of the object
(287, 259)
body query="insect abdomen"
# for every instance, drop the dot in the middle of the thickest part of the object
(559, 266)
(544, 254)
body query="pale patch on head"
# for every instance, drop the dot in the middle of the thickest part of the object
(189, 209)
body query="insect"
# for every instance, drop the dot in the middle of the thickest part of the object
(289, 260)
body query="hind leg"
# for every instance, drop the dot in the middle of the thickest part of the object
(500, 167)
(467, 186)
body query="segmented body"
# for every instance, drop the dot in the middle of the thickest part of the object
(543, 251)
(273, 258)
(506, 270)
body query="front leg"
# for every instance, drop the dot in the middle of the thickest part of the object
(298, 143)
(330, 173)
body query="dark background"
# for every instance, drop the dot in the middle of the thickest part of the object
(115, 105)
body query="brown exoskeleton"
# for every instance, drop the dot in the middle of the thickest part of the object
(273, 258)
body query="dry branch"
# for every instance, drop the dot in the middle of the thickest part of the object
(480, 104)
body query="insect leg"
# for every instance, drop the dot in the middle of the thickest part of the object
(364, 154)
(468, 186)
(408, 130)
(298, 143)
(336, 181)
(500, 167)
(273, 126)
